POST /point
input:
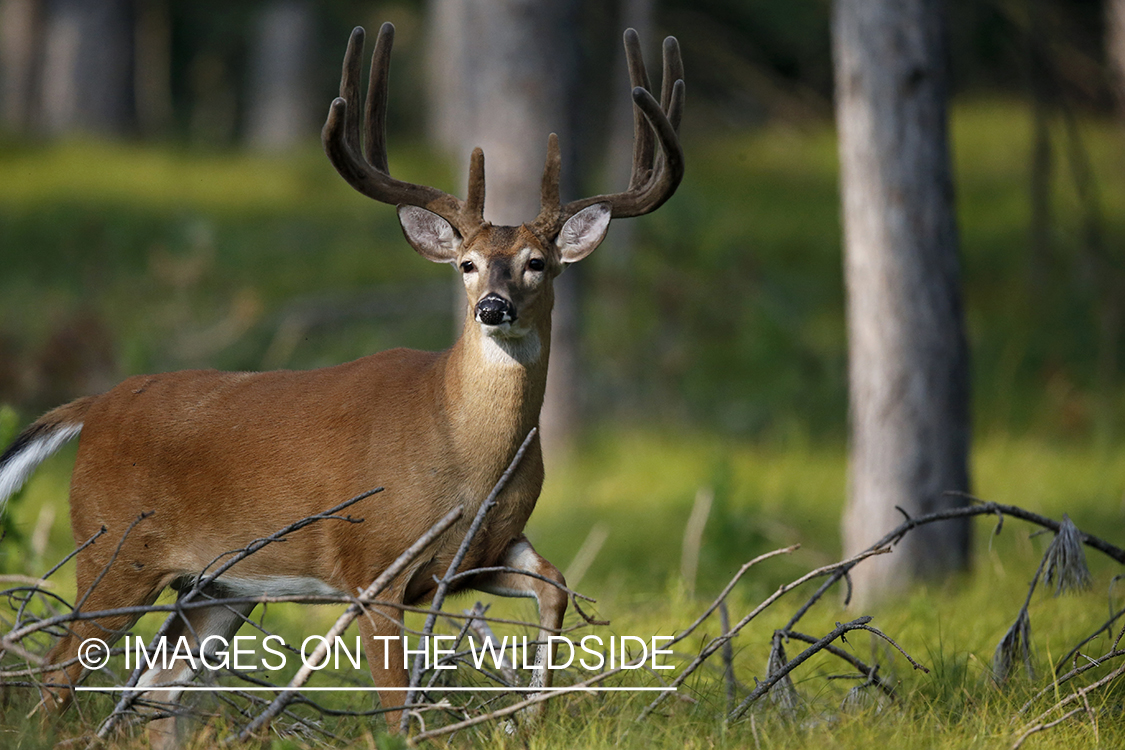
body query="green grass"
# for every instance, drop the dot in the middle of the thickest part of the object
(642, 486)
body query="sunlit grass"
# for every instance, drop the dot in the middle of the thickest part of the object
(641, 486)
(161, 179)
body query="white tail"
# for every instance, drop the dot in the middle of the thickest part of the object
(36, 444)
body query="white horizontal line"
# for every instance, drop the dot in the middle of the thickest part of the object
(306, 689)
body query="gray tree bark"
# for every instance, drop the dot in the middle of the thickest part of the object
(1115, 48)
(88, 73)
(279, 112)
(20, 59)
(908, 359)
(502, 76)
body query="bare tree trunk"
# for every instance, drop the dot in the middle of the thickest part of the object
(503, 76)
(88, 67)
(20, 40)
(154, 67)
(1115, 47)
(278, 105)
(908, 360)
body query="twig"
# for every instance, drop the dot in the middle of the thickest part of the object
(455, 563)
(80, 547)
(982, 508)
(517, 707)
(728, 657)
(871, 672)
(201, 583)
(1077, 671)
(764, 686)
(1078, 694)
(729, 587)
(1041, 727)
(1106, 627)
(112, 558)
(353, 611)
(482, 629)
(717, 643)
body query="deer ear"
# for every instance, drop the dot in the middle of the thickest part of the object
(429, 234)
(583, 232)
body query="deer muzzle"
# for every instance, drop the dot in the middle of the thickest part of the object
(494, 310)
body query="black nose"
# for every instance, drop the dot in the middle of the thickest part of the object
(494, 310)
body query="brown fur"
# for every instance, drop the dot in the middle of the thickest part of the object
(221, 459)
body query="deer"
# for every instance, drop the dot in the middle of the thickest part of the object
(213, 460)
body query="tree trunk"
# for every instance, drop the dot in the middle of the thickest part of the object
(88, 76)
(20, 58)
(503, 75)
(908, 360)
(1115, 48)
(278, 102)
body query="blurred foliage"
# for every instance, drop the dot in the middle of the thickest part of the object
(726, 314)
(726, 311)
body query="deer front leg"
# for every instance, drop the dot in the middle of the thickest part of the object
(381, 630)
(550, 599)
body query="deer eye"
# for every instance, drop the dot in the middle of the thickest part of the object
(467, 266)
(536, 264)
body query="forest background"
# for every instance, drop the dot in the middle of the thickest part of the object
(166, 222)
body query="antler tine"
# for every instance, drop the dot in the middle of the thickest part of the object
(370, 176)
(375, 114)
(655, 176)
(549, 193)
(673, 72)
(349, 86)
(473, 210)
(550, 208)
(642, 136)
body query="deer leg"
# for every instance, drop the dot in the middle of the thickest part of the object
(117, 588)
(381, 631)
(195, 626)
(550, 599)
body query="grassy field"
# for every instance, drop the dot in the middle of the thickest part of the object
(717, 352)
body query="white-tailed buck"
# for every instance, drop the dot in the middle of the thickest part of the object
(220, 459)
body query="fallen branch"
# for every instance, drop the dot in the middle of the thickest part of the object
(201, 583)
(350, 614)
(717, 643)
(455, 563)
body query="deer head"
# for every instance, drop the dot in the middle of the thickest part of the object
(507, 270)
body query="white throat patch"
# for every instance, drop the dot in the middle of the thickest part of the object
(499, 350)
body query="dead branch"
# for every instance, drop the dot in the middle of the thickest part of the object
(455, 563)
(519, 706)
(381, 582)
(1079, 694)
(202, 582)
(717, 642)
(1077, 671)
(870, 672)
(982, 508)
(764, 686)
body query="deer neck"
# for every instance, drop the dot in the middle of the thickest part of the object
(495, 386)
